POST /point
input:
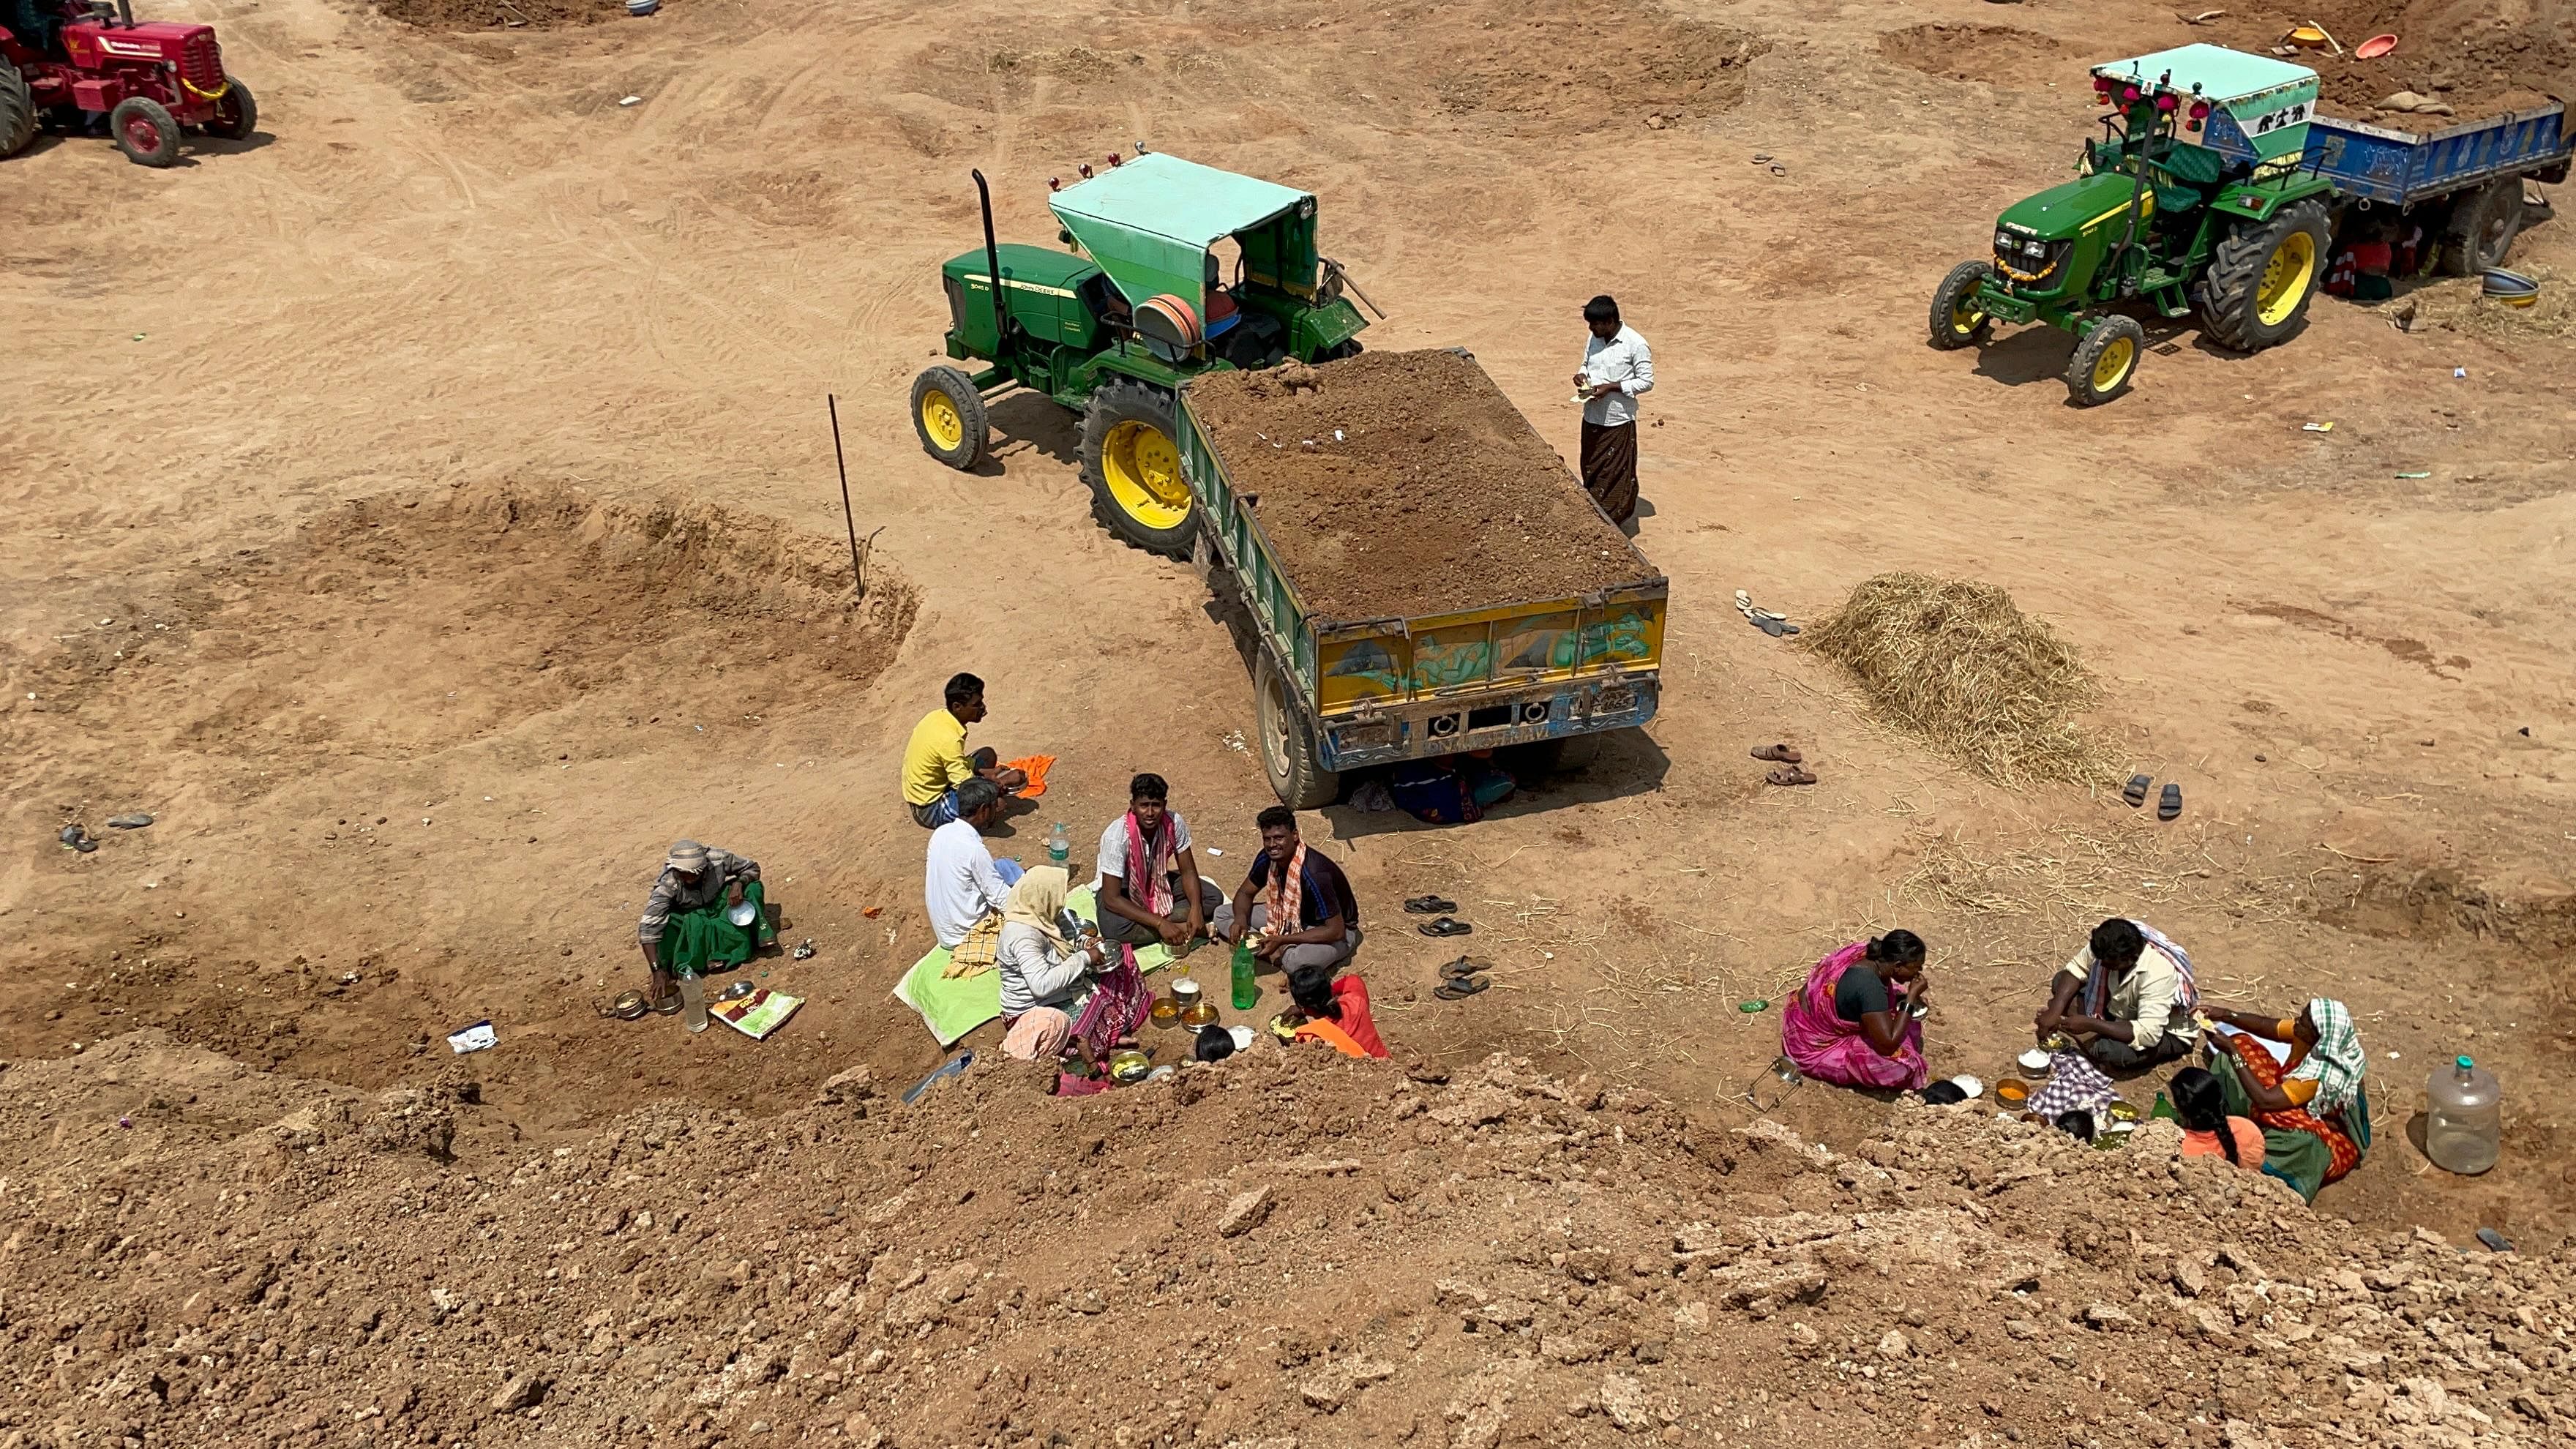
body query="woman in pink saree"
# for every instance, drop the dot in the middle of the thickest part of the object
(1854, 1023)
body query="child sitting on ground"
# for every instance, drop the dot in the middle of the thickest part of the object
(1336, 1011)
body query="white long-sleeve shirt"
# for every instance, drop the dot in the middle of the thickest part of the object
(958, 882)
(1032, 975)
(1625, 360)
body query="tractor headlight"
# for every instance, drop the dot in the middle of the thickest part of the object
(2034, 248)
(2003, 241)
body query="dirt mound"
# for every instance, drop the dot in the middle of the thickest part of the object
(501, 14)
(2478, 59)
(1957, 663)
(1279, 1249)
(1995, 54)
(1405, 483)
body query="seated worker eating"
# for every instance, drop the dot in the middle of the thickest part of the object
(1145, 859)
(1306, 916)
(963, 888)
(2128, 998)
(935, 761)
(1046, 976)
(1853, 1024)
(686, 924)
(2312, 1109)
(1335, 1012)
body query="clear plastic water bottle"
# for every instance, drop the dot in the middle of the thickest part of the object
(2464, 1130)
(1060, 848)
(693, 1000)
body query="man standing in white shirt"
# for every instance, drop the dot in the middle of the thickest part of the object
(1617, 369)
(963, 887)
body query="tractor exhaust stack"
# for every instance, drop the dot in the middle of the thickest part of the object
(992, 261)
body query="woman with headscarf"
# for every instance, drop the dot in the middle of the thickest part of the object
(1046, 978)
(1857, 1022)
(2312, 1108)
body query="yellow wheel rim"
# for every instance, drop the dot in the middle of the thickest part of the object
(1144, 474)
(940, 419)
(1965, 315)
(2114, 364)
(2285, 278)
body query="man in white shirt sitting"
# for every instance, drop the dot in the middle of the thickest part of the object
(1617, 370)
(1145, 855)
(962, 885)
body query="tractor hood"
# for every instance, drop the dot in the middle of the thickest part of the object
(1149, 224)
(2061, 212)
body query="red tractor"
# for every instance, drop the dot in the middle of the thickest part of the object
(64, 61)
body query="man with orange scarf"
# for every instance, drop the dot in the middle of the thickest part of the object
(1306, 915)
(1149, 886)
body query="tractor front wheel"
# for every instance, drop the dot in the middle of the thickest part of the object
(145, 132)
(1131, 458)
(2482, 228)
(17, 111)
(2259, 283)
(948, 415)
(1959, 316)
(2105, 361)
(236, 114)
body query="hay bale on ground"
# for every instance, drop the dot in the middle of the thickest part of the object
(1953, 661)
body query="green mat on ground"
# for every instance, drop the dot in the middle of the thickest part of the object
(953, 1008)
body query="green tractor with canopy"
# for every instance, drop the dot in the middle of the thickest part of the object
(2159, 215)
(1111, 329)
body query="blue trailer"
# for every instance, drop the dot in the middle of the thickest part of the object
(2471, 174)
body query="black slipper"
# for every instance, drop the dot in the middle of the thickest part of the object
(2136, 793)
(1464, 967)
(1445, 926)
(2171, 805)
(1461, 989)
(1430, 906)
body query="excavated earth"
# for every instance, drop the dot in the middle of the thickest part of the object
(1277, 1250)
(1405, 483)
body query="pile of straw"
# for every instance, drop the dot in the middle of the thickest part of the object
(1956, 663)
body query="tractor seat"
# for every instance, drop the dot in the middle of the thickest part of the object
(2184, 177)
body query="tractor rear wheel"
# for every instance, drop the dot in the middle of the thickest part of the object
(236, 114)
(145, 132)
(1288, 752)
(2256, 291)
(1131, 458)
(1959, 319)
(2105, 361)
(2482, 228)
(948, 416)
(17, 111)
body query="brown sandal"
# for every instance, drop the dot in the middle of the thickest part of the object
(1778, 754)
(1790, 775)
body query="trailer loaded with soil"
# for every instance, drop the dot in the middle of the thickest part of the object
(1422, 573)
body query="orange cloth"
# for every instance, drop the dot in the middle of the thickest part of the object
(1035, 767)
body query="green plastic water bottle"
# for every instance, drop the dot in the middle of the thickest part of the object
(1247, 992)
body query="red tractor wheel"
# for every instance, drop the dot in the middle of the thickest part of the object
(17, 110)
(145, 132)
(236, 114)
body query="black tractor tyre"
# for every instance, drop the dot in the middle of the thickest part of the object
(1953, 302)
(2231, 290)
(236, 115)
(1348, 347)
(2105, 362)
(17, 111)
(945, 401)
(145, 131)
(1124, 400)
(2482, 227)
(1288, 751)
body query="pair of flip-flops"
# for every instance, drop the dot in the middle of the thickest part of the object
(1440, 906)
(1790, 771)
(1462, 978)
(1769, 621)
(2168, 805)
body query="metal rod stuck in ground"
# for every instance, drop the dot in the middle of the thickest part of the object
(849, 520)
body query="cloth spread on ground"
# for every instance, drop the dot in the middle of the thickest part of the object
(758, 1014)
(1035, 767)
(976, 954)
(691, 939)
(2163, 976)
(2301, 1149)
(1830, 1049)
(2074, 1085)
(953, 1006)
(934, 759)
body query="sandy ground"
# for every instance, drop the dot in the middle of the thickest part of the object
(269, 414)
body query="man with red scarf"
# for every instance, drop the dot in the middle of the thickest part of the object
(1145, 859)
(1306, 913)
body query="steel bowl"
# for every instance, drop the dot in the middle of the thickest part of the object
(744, 914)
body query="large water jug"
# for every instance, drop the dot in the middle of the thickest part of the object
(2464, 1129)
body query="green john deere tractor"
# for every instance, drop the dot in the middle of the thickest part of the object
(1114, 327)
(2157, 215)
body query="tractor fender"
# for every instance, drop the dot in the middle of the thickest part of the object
(2248, 202)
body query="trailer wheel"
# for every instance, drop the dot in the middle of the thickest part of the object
(1959, 319)
(948, 416)
(1288, 752)
(144, 131)
(2256, 291)
(236, 114)
(1132, 463)
(17, 111)
(2482, 228)
(2105, 362)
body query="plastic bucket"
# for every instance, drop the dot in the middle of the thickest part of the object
(2511, 288)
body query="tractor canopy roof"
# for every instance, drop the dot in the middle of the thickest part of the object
(1149, 224)
(2268, 101)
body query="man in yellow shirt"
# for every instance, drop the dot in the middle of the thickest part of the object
(935, 760)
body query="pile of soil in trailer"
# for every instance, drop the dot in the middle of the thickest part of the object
(2478, 60)
(1399, 484)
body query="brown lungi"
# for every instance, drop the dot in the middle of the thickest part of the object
(1610, 468)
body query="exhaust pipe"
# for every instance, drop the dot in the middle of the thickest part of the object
(992, 262)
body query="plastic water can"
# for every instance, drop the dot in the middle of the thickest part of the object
(2464, 1129)
(693, 1000)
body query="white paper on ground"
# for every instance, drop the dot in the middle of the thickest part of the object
(2280, 1050)
(475, 1038)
